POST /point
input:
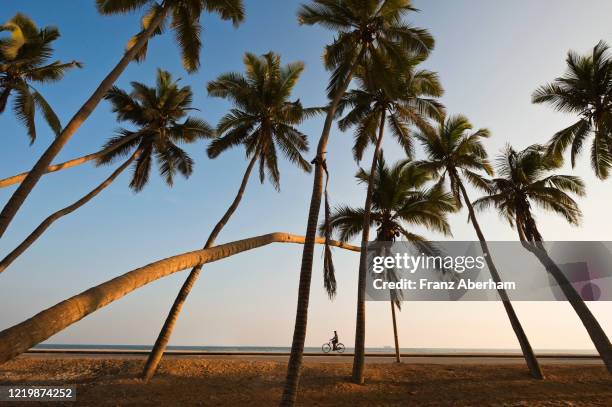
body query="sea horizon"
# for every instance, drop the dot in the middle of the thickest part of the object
(307, 349)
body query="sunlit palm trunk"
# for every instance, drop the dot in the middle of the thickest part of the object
(301, 316)
(532, 362)
(40, 168)
(164, 335)
(594, 329)
(21, 337)
(395, 336)
(359, 358)
(16, 179)
(19, 250)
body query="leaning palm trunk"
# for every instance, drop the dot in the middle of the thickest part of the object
(32, 237)
(21, 337)
(40, 168)
(16, 179)
(395, 337)
(532, 362)
(594, 329)
(301, 315)
(164, 335)
(359, 357)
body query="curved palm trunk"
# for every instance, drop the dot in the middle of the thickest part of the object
(21, 337)
(19, 196)
(164, 335)
(32, 237)
(301, 315)
(395, 337)
(16, 179)
(594, 329)
(532, 362)
(359, 357)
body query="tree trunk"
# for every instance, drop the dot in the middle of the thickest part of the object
(21, 337)
(595, 331)
(19, 196)
(360, 325)
(301, 316)
(395, 337)
(164, 335)
(19, 250)
(16, 179)
(532, 362)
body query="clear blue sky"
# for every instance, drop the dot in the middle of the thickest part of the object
(490, 56)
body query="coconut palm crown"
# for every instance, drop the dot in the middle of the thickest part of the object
(399, 199)
(24, 61)
(159, 115)
(586, 91)
(404, 97)
(184, 16)
(373, 30)
(452, 151)
(263, 118)
(525, 177)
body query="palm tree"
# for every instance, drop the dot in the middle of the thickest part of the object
(263, 120)
(24, 61)
(454, 153)
(160, 116)
(398, 200)
(366, 30)
(527, 177)
(184, 15)
(585, 90)
(398, 99)
(23, 336)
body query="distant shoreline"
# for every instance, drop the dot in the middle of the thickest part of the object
(388, 354)
(309, 351)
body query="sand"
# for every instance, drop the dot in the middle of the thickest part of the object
(235, 382)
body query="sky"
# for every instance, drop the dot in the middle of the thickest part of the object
(490, 57)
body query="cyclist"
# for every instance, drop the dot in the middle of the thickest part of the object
(334, 340)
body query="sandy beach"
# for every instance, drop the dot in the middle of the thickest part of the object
(227, 381)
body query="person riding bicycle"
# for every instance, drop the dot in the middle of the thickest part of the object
(334, 340)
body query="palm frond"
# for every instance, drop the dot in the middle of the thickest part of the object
(142, 169)
(119, 6)
(48, 113)
(187, 29)
(24, 109)
(227, 9)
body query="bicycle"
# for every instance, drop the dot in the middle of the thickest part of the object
(327, 347)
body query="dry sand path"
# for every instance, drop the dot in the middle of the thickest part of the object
(257, 381)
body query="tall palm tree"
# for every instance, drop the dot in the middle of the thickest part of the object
(398, 200)
(585, 90)
(184, 16)
(263, 120)
(454, 153)
(24, 61)
(366, 30)
(24, 335)
(525, 178)
(159, 115)
(398, 99)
